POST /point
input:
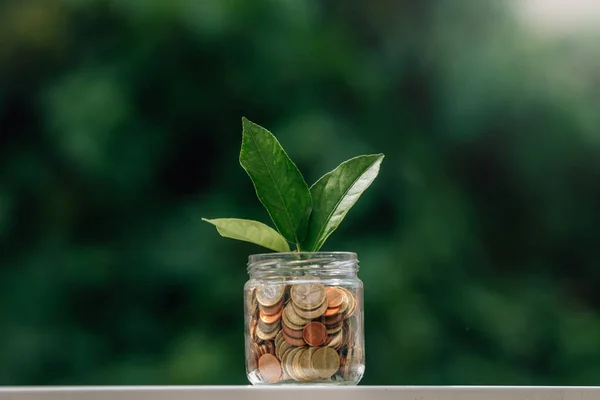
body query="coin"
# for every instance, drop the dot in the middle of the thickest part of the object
(285, 321)
(269, 368)
(325, 362)
(331, 311)
(270, 319)
(265, 335)
(287, 361)
(270, 347)
(271, 310)
(296, 334)
(308, 296)
(292, 316)
(336, 341)
(334, 297)
(278, 338)
(305, 366)
(310, 314)
(270, 294)
(315, 334)
(282, 348)
(334, 329)
(346, 299)
(284, 357)
(297, 368)
(267, 328)
(293, 341)
(333, 320)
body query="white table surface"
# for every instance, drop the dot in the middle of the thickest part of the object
(301, 393)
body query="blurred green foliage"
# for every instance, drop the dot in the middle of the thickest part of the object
(120, 126)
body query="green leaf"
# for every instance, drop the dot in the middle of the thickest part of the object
(335, 193)
(279, 184)
(250, 231)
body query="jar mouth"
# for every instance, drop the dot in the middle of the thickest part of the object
(334, 261)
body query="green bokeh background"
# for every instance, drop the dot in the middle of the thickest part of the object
(120, 127)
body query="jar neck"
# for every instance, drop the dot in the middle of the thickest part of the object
(322, 264)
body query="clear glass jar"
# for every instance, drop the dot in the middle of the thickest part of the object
(303, 317)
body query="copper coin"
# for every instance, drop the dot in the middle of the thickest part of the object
(333, 320)
(315, 334)
(335, 297)
(293, 341)
(269, 368)
(293, 333)
(331, 311)
(271, 310)
(271, 319)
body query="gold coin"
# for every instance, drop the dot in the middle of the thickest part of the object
(308, 296)
(264, 335)
(297, 367)
(352, 303)
(287, 361)
(283, 366)
(325, 362)
(278, 338)
(270, 294)
(305, 365)
(282, 348)
(268, 328)
(345, 302)
(285, 377)
(336, 341)
(311, 314)
(286, 321)
(336, 329)
(293, 318)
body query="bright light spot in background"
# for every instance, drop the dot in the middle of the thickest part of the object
(562, 16)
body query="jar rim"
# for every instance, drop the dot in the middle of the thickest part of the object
(303, 260)
(293, 255)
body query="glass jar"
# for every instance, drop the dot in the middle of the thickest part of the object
(303, 317)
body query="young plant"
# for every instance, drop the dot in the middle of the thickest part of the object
(303, 216)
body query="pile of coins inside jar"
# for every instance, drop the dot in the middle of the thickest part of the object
(302, 332)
